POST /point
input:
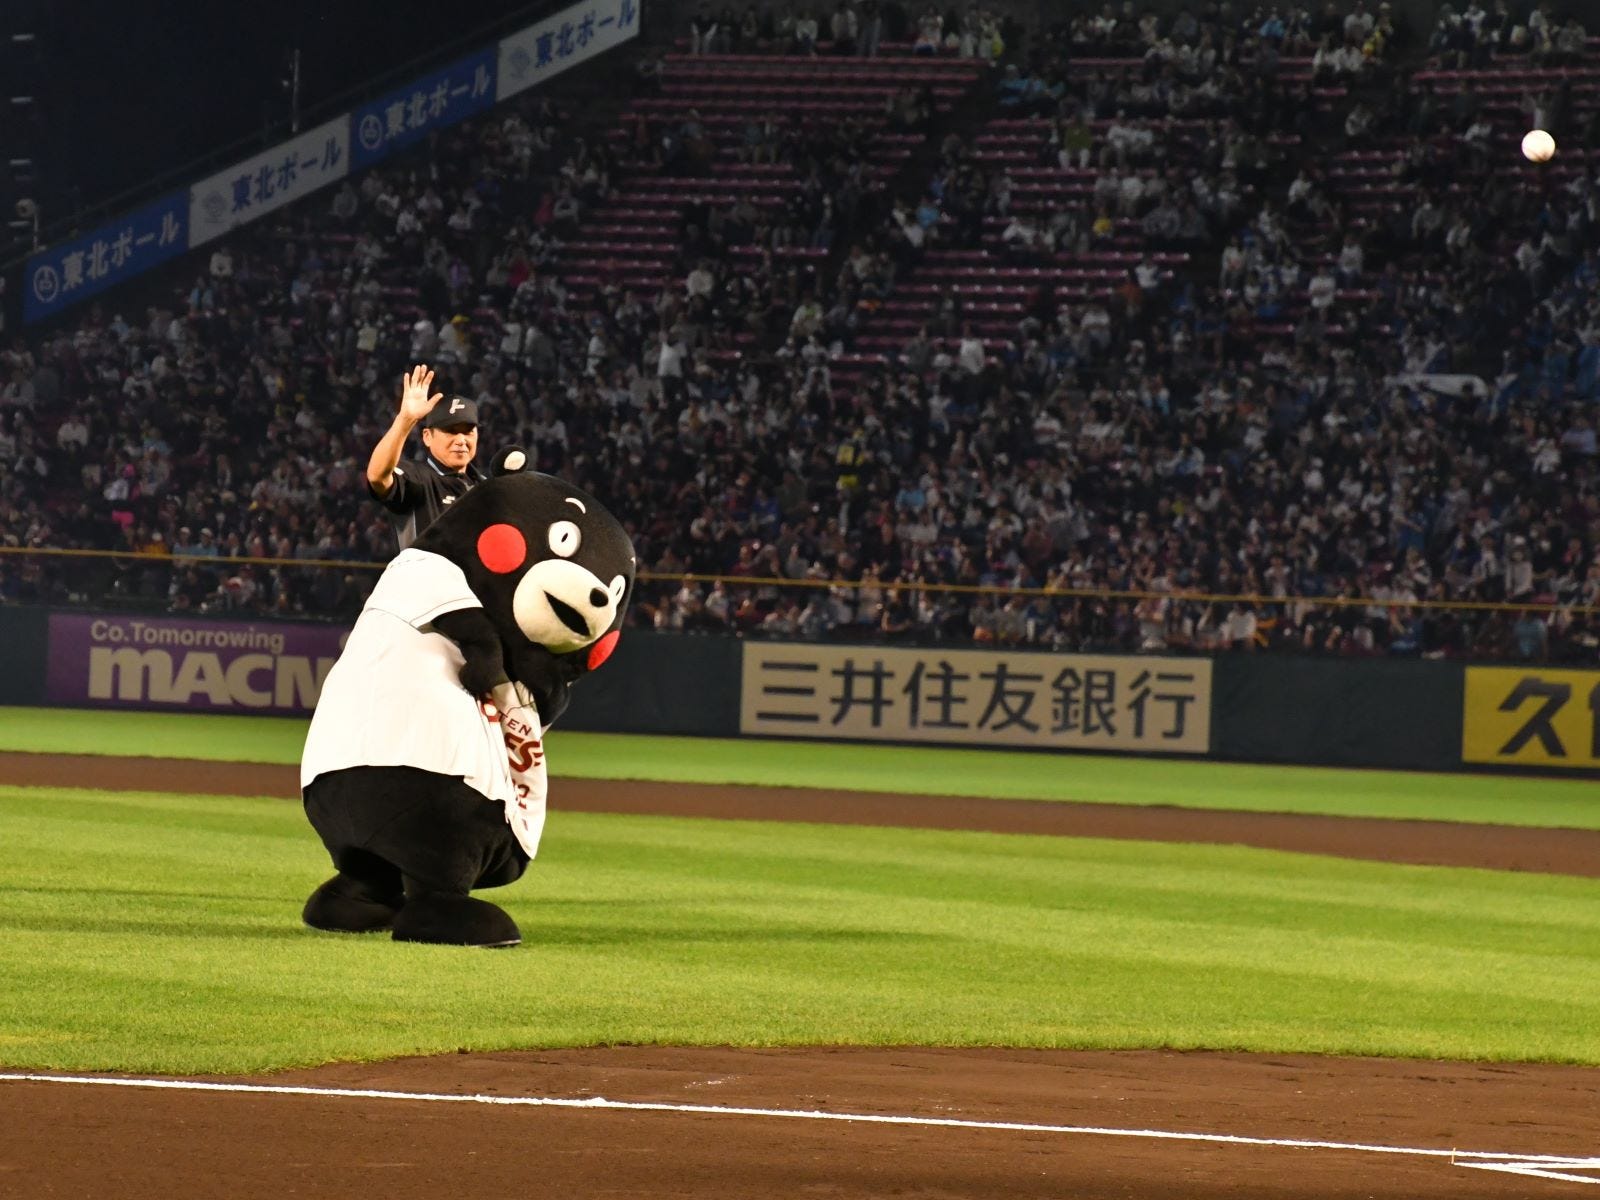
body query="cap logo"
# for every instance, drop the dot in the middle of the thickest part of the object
(456, 404)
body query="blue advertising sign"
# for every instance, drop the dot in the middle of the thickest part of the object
(265, 182)
(433, 101)
(116, 251)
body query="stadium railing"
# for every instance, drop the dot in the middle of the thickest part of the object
(1141, 619)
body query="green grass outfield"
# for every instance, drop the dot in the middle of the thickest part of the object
(146, 932)
(1110, 779)
(143, 932)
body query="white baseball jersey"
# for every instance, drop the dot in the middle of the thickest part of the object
(394, 698)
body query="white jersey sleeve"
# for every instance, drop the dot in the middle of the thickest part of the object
(419, 586)
(394, 698)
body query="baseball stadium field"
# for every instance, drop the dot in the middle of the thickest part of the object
(759, 968)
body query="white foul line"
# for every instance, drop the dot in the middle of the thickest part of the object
(1543, 1165)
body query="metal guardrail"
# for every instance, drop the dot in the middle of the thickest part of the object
(136, 558)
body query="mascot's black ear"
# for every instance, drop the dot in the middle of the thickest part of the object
(509, 461)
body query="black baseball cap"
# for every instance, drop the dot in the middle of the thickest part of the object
(451, 411)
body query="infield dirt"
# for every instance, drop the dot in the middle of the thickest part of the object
(1433, 843)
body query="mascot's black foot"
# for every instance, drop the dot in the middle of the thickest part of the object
(346, 905)
(454, 921)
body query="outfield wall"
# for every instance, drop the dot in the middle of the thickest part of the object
(1396, 713)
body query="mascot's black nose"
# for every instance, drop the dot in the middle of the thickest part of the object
(598, 598)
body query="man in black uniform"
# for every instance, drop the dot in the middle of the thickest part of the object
(416, 493)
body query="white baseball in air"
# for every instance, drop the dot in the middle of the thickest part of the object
(1538, 146)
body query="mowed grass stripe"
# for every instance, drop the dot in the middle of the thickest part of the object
(157, 933)
(999, 774)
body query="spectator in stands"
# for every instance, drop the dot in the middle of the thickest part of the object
(1531, 636)
(1074, 141)
(1541, 31)
(842, 28)
(805, 33)
(702, 31)
(1571, 43)
(869, 28)
(72, 436)
(749, 38)
(1134, 404)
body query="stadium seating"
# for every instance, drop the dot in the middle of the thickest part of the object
(1433, 423)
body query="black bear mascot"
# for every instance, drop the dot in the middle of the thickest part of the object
(423, 770)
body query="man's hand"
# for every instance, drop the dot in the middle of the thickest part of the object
(415, 403)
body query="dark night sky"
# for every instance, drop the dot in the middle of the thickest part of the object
(137, 88)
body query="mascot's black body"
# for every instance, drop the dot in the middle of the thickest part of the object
(520, 585)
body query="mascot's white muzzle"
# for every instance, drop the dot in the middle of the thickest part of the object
(563, 606)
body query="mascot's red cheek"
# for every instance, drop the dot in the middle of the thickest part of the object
(502, 548)
(602, 649)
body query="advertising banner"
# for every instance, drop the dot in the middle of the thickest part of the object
(255, 187)
(547, 48)
(193, 664)
(977, 697)
(433, 101)
(184, 220)
(116, 251)
(1530, 716)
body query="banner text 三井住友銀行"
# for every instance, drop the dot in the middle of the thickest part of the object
(977, 697)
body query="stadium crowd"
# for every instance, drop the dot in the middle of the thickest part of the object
(1227, 430)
